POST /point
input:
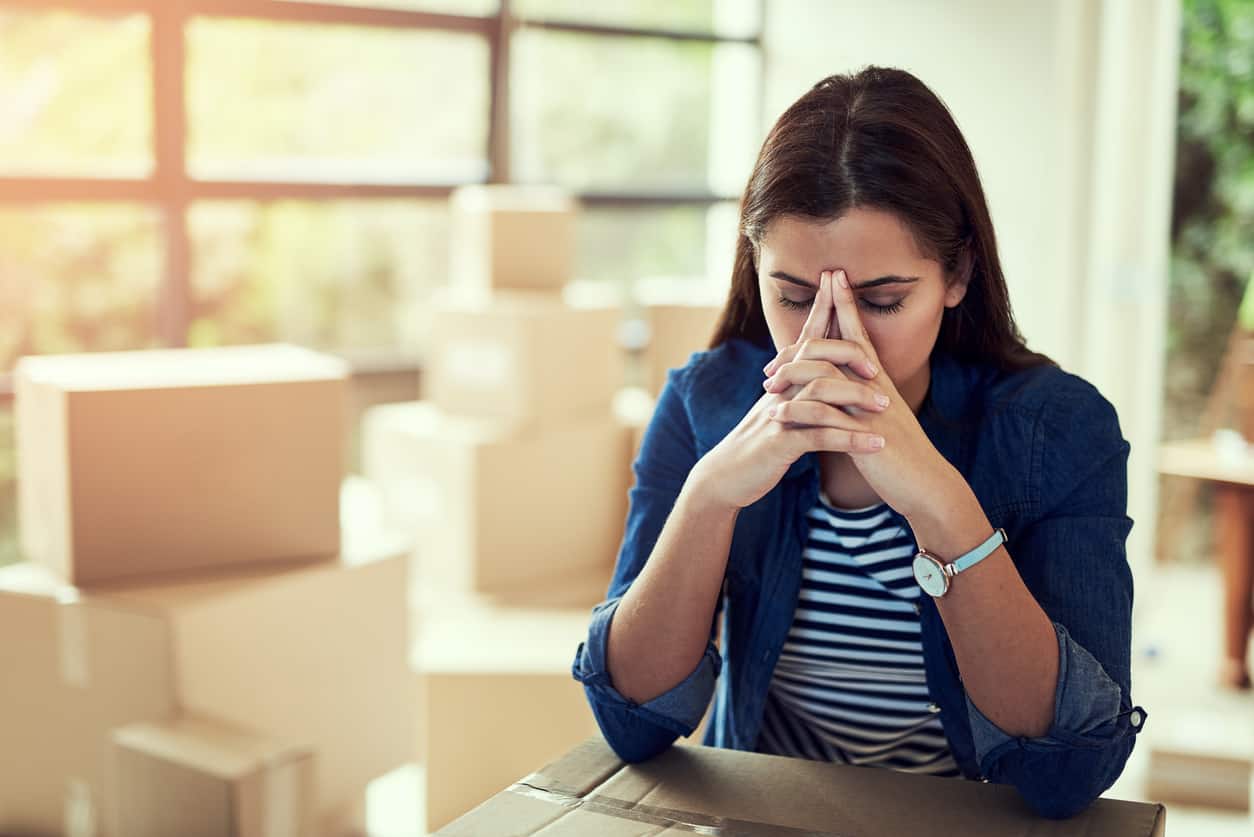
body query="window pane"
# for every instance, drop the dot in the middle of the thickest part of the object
(687, 243)
(331, 275)
(77, 278)
(280, 101)
(730, 18)
(75, 95)
(627, 124)
(454, 7)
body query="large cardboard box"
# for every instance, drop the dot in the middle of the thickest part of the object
(315, 653)
(495, 506)
(706, 790)
(196, 777)
(675, 332)
(509, 237)
(521, 356)
(496, 695)
(132, 463)
(70, 674)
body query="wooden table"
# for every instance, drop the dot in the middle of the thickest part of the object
(1232, 479)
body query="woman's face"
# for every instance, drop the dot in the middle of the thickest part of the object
(901, 294)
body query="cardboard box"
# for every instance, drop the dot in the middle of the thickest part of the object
(199, 778)
(133, 463)
(496, 507)
(634, 407)
(523, 357)
(508, 237)
(675, 332)
(699, 789)
(1187, 777)
(1201, 754)
(70, 674)
(496, 695)
(316, 653)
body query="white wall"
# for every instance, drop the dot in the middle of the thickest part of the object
(1052, 95)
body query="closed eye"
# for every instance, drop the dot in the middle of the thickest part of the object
(804, 305)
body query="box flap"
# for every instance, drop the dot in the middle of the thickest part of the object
(707, 790)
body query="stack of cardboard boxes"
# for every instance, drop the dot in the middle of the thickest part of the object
(188, 650)
(512, 472)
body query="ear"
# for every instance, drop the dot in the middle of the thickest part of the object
(956, 290)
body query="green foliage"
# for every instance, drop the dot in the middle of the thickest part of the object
(1213, 216)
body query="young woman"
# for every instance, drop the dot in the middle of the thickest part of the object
(912, 527)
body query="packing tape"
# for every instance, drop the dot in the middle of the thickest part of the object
(669, 818)
(79, 812)
(283, 793)
(72, 640)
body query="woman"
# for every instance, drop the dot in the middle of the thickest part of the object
(867, 397)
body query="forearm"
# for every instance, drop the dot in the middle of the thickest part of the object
(662, 626)
(1004, 642)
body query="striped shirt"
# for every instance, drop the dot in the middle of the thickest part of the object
(850, 686)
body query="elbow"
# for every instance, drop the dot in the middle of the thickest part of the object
(1060, 784)
(633, 738)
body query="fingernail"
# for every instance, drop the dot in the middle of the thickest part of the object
(766, 385)
(771, 412)
(769, 368)
(842, 279)
(882, 400)
(877, 442)
(871, 370)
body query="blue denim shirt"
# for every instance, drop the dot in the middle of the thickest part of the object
(1043, 452)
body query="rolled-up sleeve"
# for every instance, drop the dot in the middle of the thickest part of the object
(1074, 560)
(638, 731)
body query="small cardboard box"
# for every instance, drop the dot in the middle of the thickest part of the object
(315, 653)
(495, 507)
(524, 357)
(675, 332)
(496, 695)
(508, 237)
(703, 789)
(200, 778)
(131, 463)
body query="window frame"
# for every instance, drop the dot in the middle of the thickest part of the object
(171, 190)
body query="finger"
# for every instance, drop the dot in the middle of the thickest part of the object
(835, 352)
(814, 414)
(847, 316)
(818, 321)
(818, 382)
(839, 440)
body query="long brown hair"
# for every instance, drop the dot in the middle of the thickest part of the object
(880, 139)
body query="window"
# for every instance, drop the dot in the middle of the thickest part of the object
(205, 172)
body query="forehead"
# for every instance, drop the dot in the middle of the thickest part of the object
(864, 242)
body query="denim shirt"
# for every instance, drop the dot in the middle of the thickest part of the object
(1043, 452)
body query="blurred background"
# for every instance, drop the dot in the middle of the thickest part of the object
(209, 173)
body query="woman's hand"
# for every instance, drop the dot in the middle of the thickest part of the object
(754, 456)
(909, 473)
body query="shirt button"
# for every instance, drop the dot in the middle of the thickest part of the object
(917, 609)
(766, 655)
(933, 708)
(1136, 719)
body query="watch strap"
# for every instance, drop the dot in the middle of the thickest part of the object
(978, 554)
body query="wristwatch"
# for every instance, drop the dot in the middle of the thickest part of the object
(933, 575)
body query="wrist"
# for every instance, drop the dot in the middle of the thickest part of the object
(699, 495)
(952, 525)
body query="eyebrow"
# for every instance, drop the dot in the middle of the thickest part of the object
(861, 286)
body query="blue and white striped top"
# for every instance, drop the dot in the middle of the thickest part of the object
(850, 686)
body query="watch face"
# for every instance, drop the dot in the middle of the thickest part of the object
(928, 573)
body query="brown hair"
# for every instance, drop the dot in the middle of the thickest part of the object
(880, 139)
